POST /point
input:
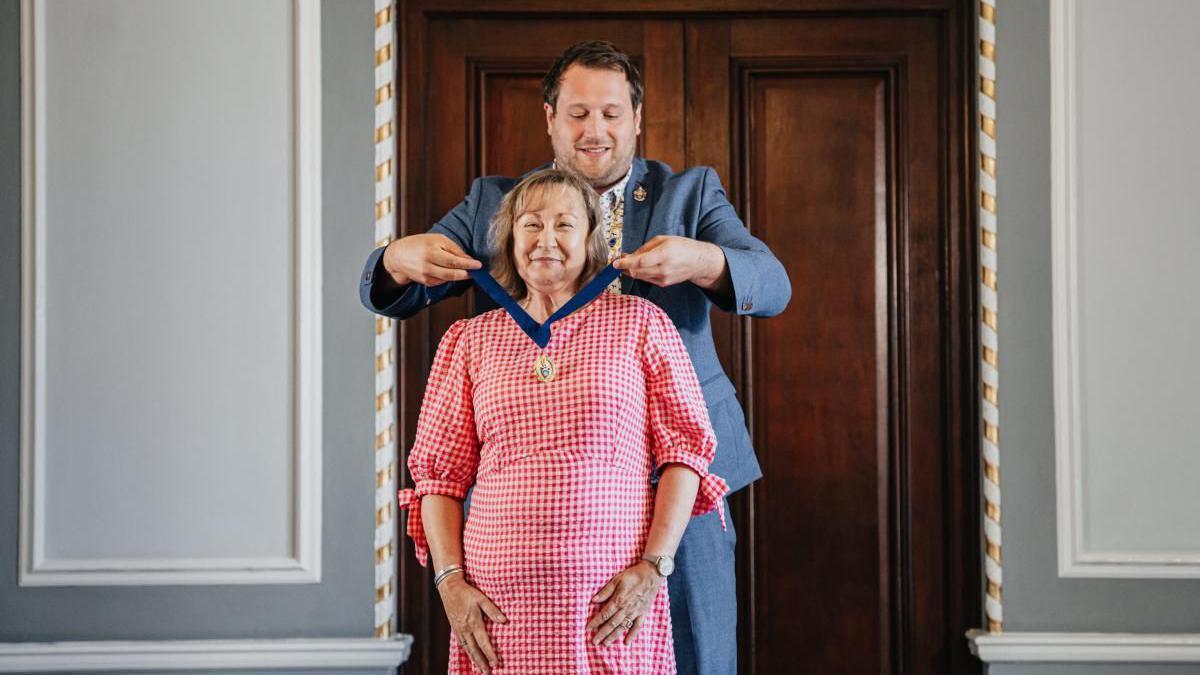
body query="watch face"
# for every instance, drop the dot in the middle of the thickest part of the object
(666, 566)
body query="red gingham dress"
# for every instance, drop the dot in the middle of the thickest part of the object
(561, 470)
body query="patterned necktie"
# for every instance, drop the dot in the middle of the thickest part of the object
(613, 206)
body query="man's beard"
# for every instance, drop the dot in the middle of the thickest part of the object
(612, 173)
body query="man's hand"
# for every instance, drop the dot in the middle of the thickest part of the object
(429, 259)
(667, 260)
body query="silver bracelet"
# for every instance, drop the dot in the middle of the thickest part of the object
(445, 572)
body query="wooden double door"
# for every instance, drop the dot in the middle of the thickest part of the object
(842, 132)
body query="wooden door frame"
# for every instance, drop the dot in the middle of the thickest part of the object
(962, 304)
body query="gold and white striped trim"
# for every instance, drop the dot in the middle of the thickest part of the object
(988, 320)
(385, 331)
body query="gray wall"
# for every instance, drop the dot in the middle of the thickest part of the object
(1035, 598)
(342, 604)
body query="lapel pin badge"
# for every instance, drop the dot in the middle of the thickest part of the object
(640, 193)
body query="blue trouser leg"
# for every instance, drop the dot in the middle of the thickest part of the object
(704, 598)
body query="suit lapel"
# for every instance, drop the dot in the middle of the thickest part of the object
(637, 214)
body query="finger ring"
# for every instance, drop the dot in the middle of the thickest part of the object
(628, 624)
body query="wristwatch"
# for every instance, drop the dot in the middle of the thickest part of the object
(664, 564)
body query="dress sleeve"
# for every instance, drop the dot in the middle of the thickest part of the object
(445, 453)
(681, 431)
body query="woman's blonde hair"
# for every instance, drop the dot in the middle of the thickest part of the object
(500, 230)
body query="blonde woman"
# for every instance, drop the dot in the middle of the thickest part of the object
(559, 409)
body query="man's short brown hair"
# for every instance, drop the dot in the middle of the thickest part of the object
(592, 54)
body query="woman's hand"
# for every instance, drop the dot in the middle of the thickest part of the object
(466, 607)
(626, 598)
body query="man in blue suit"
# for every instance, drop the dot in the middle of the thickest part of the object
(685, 249)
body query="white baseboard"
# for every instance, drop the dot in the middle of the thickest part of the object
(1085, 647)
(48, 657)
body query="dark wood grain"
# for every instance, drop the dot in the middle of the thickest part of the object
(819, 371)
(509, 116)
(687, 8)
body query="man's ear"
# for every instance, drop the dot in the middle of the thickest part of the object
(637, 119)
(549, 119)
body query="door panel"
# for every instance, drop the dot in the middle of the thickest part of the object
(509, 118)
(819, 372)
(830, 133)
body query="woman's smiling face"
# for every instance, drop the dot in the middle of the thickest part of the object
(550, 234)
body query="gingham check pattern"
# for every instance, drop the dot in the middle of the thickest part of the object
(562, 497)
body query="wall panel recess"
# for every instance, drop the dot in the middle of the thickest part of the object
(171, 309)
(1124, 164)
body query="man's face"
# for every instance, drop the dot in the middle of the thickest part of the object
(594, 128)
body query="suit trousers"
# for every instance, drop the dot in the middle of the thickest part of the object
(703, 592)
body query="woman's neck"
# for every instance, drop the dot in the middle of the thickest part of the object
(541, 305)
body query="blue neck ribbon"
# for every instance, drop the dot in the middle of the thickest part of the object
(540, 332)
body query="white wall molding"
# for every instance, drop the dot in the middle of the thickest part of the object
(190, 655)
(1063, 209)
(1085, 647)
(1075, 559)
(303, 562)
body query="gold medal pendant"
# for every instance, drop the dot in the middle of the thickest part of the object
(544, 368)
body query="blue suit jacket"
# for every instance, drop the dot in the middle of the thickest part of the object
(690, 204)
